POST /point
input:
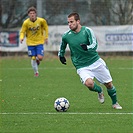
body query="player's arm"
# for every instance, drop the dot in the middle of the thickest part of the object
(45, 25)
(22, 32)
(92, 44)
(61, 52)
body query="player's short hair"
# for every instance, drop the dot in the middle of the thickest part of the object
(76, 16)
(32, 9)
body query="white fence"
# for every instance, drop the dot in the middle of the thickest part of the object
(110, 38)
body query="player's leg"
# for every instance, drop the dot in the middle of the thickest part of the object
(86, 77)
(111, 91)
(94, 87)
(40, 53)
(102, 74)
(32, 54)
(113, 95)
(34, 66)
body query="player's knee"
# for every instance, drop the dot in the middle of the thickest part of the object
(89, 83)
(109, 85)
(40, 58)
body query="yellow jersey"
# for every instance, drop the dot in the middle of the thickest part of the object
(36, 32)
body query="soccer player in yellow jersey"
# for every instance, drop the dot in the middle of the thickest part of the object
(35, 29)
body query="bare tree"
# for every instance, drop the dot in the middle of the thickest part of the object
(15, 11)
(122, 11)
(92, 12)
(0, 14)
(10, 10)
(99, 12)
(56, 11)
(111, 12)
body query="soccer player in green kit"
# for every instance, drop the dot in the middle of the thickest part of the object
(83, 45)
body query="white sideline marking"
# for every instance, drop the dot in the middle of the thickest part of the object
(64, 113)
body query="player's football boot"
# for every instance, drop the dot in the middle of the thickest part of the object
(36, 74)
(116, 106)
(101, 97)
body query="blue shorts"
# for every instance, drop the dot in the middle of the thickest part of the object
(36, 50)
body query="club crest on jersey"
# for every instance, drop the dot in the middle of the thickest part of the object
(34, 29)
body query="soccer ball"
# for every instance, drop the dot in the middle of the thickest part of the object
(61, 104)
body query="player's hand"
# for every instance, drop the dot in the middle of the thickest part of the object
(63, 60)
(84, 47)
(46, 41)
(21, 40)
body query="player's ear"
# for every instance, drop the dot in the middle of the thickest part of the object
(78, 21)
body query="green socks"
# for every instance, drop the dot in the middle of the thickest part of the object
(96, 88)
(112, 94)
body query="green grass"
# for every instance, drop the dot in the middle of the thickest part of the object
(26, 102)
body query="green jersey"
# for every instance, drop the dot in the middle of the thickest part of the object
(80, 58)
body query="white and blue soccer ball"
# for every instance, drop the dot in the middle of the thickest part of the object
(61, 104)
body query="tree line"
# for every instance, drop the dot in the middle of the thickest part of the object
(92, 12)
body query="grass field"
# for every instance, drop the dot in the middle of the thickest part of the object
(26, 102)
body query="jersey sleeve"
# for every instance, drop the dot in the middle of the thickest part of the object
(23, 31)
(45, 27)
(92, 39)
(63, 46)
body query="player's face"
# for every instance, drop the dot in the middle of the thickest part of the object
(72, 23)
(32, 15)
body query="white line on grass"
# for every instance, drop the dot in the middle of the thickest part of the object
(28, 68)
(43, 68)
(65, 113)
